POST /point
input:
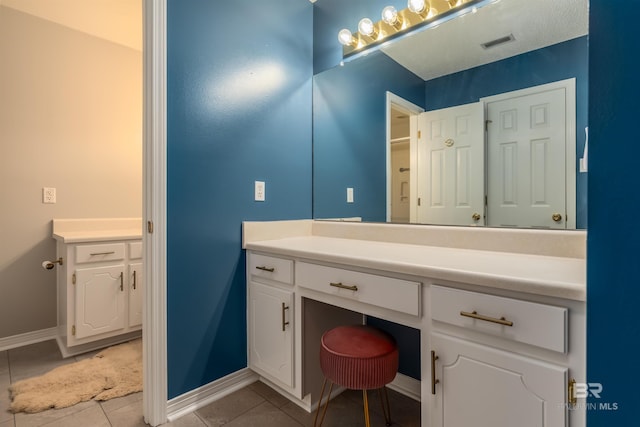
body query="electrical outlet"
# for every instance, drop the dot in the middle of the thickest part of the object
(48, 195)
(259, 191)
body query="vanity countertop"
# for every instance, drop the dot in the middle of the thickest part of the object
(96, 230)
(554, 276)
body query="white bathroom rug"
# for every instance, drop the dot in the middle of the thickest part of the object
(114, 372)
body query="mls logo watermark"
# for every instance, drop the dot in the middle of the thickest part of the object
(585, 390)
(589, 390)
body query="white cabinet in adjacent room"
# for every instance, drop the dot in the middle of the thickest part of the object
(100, 293)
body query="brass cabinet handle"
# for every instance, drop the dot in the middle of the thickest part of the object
(475, 315)
(572, 399)
(102, 253)
(134, 279)
(476, 216)
(556, 217)
(341, 286)
(434, 380)
(263, 268)
(122, 281)
(284, 307)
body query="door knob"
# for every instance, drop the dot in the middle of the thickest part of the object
(556, 217)
(476, 216)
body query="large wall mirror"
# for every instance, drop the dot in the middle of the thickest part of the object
(481, 120)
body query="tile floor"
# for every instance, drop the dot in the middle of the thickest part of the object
(254, 405)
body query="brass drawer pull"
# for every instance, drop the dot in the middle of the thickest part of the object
(102, 253)
(434, 380)
(263, 268)
(341, 286)
(284, 307)
(121, 281)
(475, 315)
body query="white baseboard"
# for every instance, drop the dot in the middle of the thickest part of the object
(20, 340)
(204, 395)
(407, 386)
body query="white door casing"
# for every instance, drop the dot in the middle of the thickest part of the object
(531, 157)
(396, 102)
(451, 166)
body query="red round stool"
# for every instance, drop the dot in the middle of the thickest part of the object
(359, 358)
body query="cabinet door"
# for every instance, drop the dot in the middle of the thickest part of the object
(100, 300)
(136, 294)
(483, 386)
(271, 332)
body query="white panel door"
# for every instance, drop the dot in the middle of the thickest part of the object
(526, 160)
(100, 300)
(451, 166)
(483, 386)
(136, 294)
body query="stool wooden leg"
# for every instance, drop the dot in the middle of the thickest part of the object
(326, 405)
(386, 408)
(366, 408)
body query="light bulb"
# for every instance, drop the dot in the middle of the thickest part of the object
(390, 16)
(346, 38)
(366, 27)
(419, 7)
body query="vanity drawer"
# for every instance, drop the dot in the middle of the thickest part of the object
(100, 252)
(532, 323)
(394, 294)
(135, 250)
(269, 267)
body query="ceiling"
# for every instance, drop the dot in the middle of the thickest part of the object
(456, 44)
(118, 21)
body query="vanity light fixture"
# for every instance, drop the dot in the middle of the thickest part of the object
(396, 22)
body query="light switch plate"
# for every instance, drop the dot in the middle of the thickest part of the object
(349, 195)
(48, 195)
(259, 191)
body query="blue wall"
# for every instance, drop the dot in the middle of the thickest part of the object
(558, 62)
(239, 110)
(613, 270)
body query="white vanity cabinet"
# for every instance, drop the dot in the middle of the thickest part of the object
(100, 287)
(490, 361)
(502, 333)
(271, 318)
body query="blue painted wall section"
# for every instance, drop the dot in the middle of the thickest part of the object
(239, 110)
(613, 270)
(558, 62)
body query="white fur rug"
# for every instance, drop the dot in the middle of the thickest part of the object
(114, 372)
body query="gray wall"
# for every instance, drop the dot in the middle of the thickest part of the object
(70, 118)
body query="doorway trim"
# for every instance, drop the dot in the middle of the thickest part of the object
(413, 110)
(154, 337)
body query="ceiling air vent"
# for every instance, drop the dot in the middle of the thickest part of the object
(497, 42)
